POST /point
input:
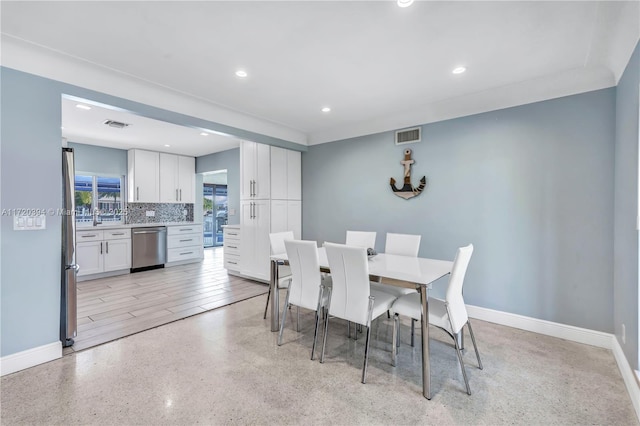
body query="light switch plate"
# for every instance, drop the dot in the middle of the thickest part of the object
(29, 222)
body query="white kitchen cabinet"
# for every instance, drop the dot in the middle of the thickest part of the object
(254, 246)
(255, 171)
(142, 177)
(286, 216)
(286, 168)
(99, 251)
(184, 244)
(177, 178)
(232, 244)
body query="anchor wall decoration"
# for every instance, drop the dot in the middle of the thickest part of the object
(407, 191)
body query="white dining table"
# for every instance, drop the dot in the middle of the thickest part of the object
(401, 271)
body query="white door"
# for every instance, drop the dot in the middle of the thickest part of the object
(294, 175)
(247, 238)
(186, 179)
(278, 173)
(294, 218)
(146, 164)
(247, 169)
(279, 222)
(168, 178)
(89, 257)
(117, 255)
(262, 185)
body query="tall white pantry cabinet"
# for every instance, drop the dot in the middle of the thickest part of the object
(271, 194)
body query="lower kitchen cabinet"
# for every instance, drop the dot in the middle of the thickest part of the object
(99, 251)
(184, 243)
(231, 242)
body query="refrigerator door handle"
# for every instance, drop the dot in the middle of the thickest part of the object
(74, 266)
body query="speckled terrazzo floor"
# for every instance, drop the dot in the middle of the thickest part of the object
(224, 367)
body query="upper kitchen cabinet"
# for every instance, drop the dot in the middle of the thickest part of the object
(177, 178)
(286, 170)
(254, 171)
(142, 176)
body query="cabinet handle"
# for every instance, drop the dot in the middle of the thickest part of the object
(186, 229)
(231, 233)
(176, 194)
(88, 236)
(107, 243)
(137, 193)
(184, 241)
(181, 195)
(117, 233)
(235, 263)
(100, 247)
(253, 210)
(232, 247)
(187, 252)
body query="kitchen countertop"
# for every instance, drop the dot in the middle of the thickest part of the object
(132, 225)
(231, 226)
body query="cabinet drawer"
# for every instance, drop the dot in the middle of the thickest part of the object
(93, 235)
(231, 233)
(184, 229)
(230, 248)
(185, 240)
(117, 234)
(232, 262)
(184, 253)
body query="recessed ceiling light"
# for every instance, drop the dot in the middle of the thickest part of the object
(405, 3)
(326, 109)
(459, 70)
(241, 73)
(204, 134)
(167, 145)
(82, 106)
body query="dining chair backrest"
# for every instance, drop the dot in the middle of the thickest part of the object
(277, 240)
(361, 239)
(453, 297)
(402, 244)
(305, 273)
(351, 287)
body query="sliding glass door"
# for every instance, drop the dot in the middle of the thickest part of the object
(214, 213)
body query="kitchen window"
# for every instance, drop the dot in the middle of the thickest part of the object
(99, 196)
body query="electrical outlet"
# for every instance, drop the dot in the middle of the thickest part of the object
(151, 213)
(624, 334)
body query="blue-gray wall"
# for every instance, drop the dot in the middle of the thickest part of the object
(625, 297)
(30, 174)
(531, 187)
(229, 160)
(98, 159)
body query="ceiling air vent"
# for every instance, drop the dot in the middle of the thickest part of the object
(408, 135)
(116, 124)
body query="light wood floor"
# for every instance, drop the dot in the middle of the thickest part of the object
(111, 308)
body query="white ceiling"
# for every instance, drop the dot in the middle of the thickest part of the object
(378, 66)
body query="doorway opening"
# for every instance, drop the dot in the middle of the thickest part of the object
(214, 207)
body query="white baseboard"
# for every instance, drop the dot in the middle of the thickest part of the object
(568, 332)
(548, 328)
(29, 358)
(628, 375)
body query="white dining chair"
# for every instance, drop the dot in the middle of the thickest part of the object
(307, 287)
(449, 314)
(351, 296)
(276, 241)
(361, 239)
(401, 245)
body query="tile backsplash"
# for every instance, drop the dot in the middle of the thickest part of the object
(164, 212)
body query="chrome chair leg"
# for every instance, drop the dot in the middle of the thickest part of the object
(459, 353)
(315, 330)
(366, 345)
(394, 339)
(298, 319)
(267, 305)
(326, 329)
(349, 329)
(473, 339)
(284, 317)
(413, 332)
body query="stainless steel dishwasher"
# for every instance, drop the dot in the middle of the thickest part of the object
(149, 247)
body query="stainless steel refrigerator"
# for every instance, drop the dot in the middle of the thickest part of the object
(68, 306)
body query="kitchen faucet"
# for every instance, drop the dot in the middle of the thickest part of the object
(96, 213)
